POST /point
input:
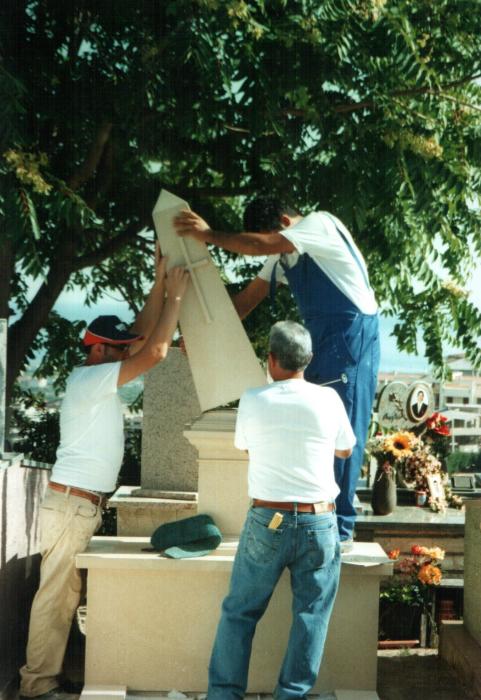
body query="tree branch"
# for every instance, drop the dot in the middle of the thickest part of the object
(356, 106)
(109, 248)
(88, 167)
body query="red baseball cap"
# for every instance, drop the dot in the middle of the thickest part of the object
(108, 329)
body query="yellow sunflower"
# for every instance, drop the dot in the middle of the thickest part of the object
(399, 444)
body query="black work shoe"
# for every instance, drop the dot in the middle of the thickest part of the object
(54, 694)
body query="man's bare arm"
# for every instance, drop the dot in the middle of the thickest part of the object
(343, 454)
(157, 345)
(248, 298)
(188, 223)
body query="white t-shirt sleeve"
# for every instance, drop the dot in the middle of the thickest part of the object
(240, 439)
(93, 382)
(266, 272)
(315, 235)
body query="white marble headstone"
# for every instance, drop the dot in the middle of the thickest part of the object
(221, 357)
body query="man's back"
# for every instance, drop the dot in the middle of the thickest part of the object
(291, 429)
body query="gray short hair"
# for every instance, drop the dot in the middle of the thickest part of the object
(291, 344)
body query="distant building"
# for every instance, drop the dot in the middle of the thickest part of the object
(459, 399)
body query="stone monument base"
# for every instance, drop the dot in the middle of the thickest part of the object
(141, 511)
(151, 620)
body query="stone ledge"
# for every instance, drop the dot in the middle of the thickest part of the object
(125, 497)
(177, 695)
(410, 519)
(458, 648)
(104, 692)
(365, 559)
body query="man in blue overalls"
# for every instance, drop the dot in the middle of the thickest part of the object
(316, 255)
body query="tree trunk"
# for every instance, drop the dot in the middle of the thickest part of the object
(7, 261)
(24, 331)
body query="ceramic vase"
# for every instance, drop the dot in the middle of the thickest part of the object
(384, 494)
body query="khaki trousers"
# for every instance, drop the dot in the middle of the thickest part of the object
(66, 525)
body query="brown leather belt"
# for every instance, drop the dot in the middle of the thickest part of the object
(94, 498)
(321, 507)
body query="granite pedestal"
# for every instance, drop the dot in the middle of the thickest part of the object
(169, 461)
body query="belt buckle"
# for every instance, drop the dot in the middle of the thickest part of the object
(319, 508)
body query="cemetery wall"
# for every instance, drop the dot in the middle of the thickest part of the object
(21, 490)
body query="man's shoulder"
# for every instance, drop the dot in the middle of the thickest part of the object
(92, 374)
(253, 392)
(315, 227)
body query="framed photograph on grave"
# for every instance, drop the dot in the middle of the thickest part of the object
(436, 489)
(419, 403)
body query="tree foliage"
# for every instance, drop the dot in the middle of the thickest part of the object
(368, 108)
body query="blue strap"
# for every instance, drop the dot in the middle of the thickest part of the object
(273, 285)
(351, 250)
(273, 282)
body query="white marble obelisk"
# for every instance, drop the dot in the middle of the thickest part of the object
(221, 357)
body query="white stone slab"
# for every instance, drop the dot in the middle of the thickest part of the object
(104, 692)
(221, 357)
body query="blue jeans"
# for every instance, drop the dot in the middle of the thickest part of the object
(308, 545)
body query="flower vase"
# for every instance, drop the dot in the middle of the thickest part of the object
(384, 494)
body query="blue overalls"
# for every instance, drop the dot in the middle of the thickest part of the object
(345, 342)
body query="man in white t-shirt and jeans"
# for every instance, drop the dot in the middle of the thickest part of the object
(291, 429)
(326, 272)
(86, 468)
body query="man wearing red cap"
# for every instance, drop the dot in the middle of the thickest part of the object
(87, 466)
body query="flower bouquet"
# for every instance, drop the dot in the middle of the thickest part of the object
(408, 594)
(390, 452)
(436, 433)
(414, 460)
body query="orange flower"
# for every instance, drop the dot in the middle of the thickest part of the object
(430, 575)
(394, 554)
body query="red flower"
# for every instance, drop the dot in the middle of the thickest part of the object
(436, 424)
(394, 554)
(417, 550)
(442, 430)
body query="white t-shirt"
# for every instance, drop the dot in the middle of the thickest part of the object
(91, 429)
(316, 234)
(291, 429)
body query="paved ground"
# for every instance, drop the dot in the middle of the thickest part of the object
(417, 674)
